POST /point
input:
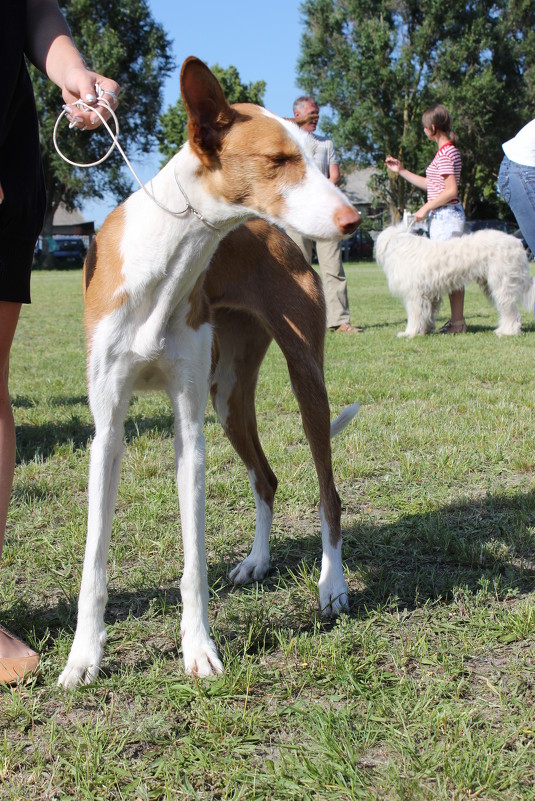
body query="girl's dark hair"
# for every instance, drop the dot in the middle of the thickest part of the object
(438, 118)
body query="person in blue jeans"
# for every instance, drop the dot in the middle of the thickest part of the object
(516, 180)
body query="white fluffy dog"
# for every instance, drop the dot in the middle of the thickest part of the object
(420, 271)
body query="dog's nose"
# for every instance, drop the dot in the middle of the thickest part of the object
(347, 220)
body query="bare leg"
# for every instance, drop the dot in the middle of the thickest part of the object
(457, 306)
(16, 658)
(9, 315)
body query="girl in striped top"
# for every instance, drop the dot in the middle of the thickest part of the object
(446, 214)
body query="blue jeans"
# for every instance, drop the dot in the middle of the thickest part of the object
(516, 184)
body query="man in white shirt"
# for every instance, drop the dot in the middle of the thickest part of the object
(516, 180)
(328, 251)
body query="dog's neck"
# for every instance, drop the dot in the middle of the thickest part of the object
(168, 252)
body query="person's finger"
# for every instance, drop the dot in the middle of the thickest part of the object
(90, 88)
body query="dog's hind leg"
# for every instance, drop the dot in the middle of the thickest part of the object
(258, 269)
(240, 345)
(109, 394)
(510, 319)
(435, 308)
(306, 375)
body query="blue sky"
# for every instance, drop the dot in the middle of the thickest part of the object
(262, 40)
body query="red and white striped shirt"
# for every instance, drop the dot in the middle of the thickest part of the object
(446, 162)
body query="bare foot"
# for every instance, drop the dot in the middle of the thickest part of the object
(16, 658)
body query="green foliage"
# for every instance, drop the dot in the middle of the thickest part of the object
(379, 65)
(122, 41)
(173, 133)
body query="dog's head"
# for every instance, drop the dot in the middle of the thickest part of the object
(253, 163)
(384, 239)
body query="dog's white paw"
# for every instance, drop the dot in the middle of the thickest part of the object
(251, 569)
(200, 657)
(401, 334)
(507, 332)
(83, 663)
(333, 596)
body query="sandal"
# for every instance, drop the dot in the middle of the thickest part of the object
(17, 660)
(347, 328)
(458, 327)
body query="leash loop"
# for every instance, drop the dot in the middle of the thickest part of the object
(102, 101)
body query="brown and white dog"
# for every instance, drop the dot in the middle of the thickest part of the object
(147, 325)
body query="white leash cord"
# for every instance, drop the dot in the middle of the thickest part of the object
(115, 144)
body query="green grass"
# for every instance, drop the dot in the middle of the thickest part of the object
(424, 690)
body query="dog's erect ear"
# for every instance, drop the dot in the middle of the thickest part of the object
(208, 111)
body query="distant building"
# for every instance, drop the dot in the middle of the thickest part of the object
(72, 223)
(356, 188)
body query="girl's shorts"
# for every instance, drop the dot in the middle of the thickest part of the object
(446, 222)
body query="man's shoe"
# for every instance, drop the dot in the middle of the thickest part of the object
(347, 328)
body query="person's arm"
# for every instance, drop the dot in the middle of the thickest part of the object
(334, 173)
(449, 192)
(395, 165)
(50, 47)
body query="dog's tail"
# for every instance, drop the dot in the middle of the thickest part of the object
(344, 418)
(528, 299)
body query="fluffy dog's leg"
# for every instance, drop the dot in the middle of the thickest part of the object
(187, 386)
(510, 321)
(109, 396)
(501, 292)
(418, 316)
(435, 308)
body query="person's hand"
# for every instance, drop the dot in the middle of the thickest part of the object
(1, 194)
(421, 214)
(81, 84)
(310, 119)
(393, 164)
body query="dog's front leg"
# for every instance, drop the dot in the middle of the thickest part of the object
(417, 313)
(109, 410)
(189, 396)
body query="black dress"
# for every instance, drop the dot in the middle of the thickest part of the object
(21, 172)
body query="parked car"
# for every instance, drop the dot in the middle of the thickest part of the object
(498, 225)
(67, 252)
(358, 247)
(481, 225)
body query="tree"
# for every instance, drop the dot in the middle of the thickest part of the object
(120, 40)
(172, 133)
(379, 65)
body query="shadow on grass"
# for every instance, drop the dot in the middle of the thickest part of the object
(427, 557)
(417, 559)
(43, 441)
